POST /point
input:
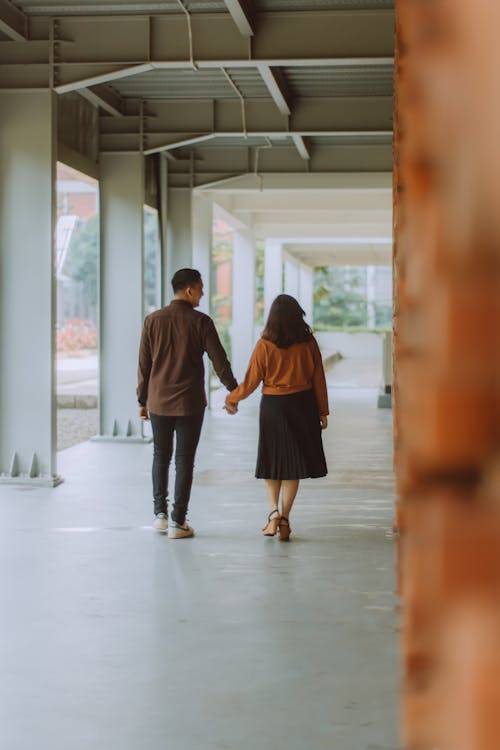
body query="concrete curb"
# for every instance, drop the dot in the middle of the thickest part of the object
(76, 401)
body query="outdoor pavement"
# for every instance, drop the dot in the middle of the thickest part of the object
(77, 373)
(113, 637)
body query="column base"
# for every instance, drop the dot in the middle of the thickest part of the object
(27, 481)
(384, 400)
(120, 439)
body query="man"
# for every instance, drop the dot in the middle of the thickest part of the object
(171, 392)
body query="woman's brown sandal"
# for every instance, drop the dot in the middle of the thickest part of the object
(273, 521)
(285, 529)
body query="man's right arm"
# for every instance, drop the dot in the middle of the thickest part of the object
(218, 356)
(144, 368)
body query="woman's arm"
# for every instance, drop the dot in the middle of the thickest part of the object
(319, 384)
(254, 375)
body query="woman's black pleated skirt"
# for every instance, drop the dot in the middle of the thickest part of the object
(290, 445)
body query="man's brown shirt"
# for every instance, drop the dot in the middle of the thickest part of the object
(171, 375)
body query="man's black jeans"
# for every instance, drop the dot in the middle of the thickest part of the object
(187, 434)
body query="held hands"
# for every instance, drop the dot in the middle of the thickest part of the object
(323, 422)
(143, 413)
(231, 407)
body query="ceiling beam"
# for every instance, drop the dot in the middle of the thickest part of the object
(222, 210)
(299, 230)
(301, 146)
(179, 143)
(105, 75)
(337, 183)
(103, 97)
(275, 82)
(243, 14)
(340, 117)
(112, 75)
(13, 22)
(326, 38)
(169, 142)
(382, 221)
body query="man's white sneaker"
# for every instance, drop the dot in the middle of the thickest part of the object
(178, 531)
(161, 522)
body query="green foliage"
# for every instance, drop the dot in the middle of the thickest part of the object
(340, 298)
(222, 327)
(383, 315)
(82, 258)
(221, 304)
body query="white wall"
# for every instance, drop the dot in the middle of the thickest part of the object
(354, 345)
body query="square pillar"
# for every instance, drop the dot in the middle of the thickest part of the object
(242, 328)
(291, 277)
(179, 246)
(27, 288)
(121, 304)
(201, 228)
(306, 290)
(188, 221)
(163, 214)
(273, 272)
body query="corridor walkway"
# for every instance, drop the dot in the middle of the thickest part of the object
(114, 638)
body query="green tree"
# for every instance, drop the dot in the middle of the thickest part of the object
(340, 297)
(221, 304)
(82, 259)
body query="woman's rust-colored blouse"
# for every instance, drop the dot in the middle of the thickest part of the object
(284, 371)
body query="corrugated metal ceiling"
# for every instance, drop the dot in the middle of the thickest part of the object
(374, 80)
(176, 84)
(107, 7)
(240, 142)
(366, 80)
(249, 82)
(83, 7)
(360, 139)
(311, 5)
(192, 84)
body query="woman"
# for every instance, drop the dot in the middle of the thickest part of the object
(293, 409)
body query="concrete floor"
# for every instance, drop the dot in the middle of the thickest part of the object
(114, 638)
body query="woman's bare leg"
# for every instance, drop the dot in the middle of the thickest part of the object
(273, 487)
(290, 488)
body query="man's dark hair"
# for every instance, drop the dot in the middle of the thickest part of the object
(184, 278)
(285, 324)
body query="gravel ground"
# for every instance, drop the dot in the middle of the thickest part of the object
(75, 426)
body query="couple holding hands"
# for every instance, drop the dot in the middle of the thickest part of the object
(171, 392)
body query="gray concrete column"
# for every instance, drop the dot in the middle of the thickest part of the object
(179, 234)
(243, 325)
(27, 288)
(291, 276)
(385, 396)
(273, 272)
(122, 238)
(163, 213)
(189, 220)
(201, 227)
(306, 290)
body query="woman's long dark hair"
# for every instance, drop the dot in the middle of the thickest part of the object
(285, 324)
